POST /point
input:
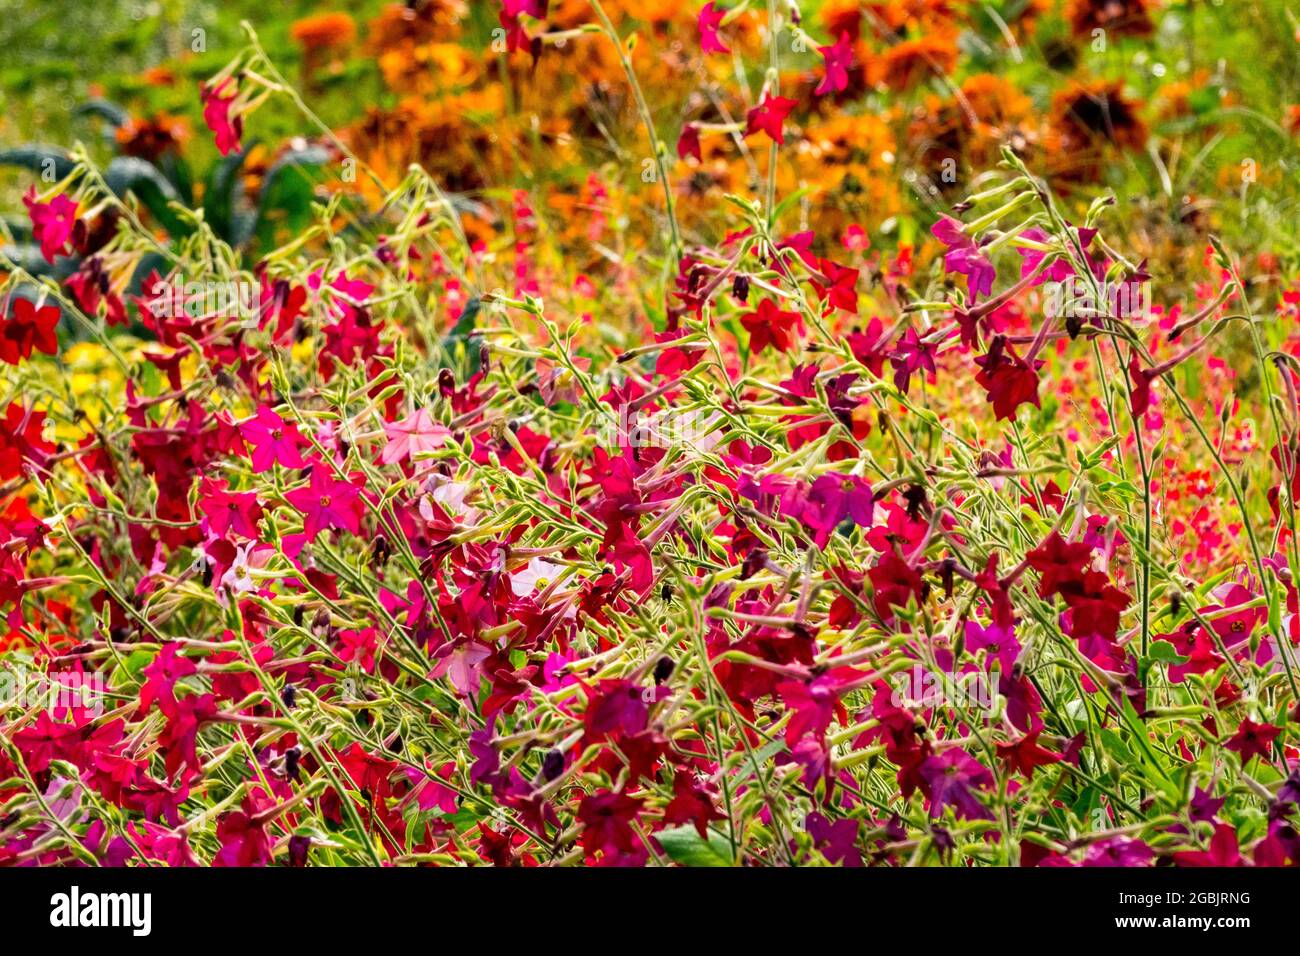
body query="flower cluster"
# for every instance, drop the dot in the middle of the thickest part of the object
(375, 574)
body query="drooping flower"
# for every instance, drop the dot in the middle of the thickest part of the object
(838, 57)
(709, 21)
(216, 113)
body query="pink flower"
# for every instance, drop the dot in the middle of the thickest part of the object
(838, 57)
(415, 434)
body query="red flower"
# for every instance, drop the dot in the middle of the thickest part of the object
(608, 836)
(691, 803)
(1025, 754)
(769, 325)
(21, 441)
(1009, 380)
(1253, 740)
(688, 143)
(895, 582)
(769, 116)
(1224, 850)
(28, 328)
(1060, 563)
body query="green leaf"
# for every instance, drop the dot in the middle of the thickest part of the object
(287, 193)
(219, 198)
(129, 174)
(107, 110)
(685, 846)
(38, 158)
(1165, 652)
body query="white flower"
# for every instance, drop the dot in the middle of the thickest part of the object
(537, 575)
(238, 577)
(450, 495)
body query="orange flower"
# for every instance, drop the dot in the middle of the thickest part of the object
(324, 31)
(403, 24)
(150, 138)
(907, 63)
(1087, 117)
(158, 76)
(989, 112)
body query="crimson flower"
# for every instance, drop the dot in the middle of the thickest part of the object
(1009, 380)
(768, 325)
(608, 836)
(28, 328)
(691, 803)
(1253, 740)
(769, 116)
(1060, 564)
(688, 143)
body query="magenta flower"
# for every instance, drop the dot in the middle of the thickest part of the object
(327, 503)
(216, 113)
(964, 257)
(951, 778)
(273, 440)
(54, 224)
(710, 20)
(838, 57)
